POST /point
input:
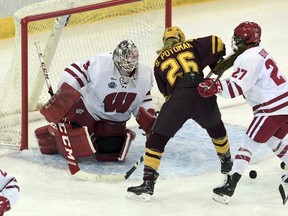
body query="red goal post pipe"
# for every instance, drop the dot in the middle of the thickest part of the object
(168, 11)
(24, 49)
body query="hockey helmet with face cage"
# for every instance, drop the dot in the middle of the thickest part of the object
(173, 32)
(246, 33)
(126, 57)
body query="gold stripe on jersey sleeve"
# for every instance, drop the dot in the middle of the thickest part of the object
(213, 44)
(217, 44)
(220, 45)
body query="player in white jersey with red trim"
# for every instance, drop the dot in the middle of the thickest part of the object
(107, 89)
(9, 192)
(258, 78)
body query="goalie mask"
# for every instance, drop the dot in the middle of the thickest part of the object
(246, 33)
(173, 32)
(126, 58)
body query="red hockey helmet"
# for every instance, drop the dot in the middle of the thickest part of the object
(246, 33)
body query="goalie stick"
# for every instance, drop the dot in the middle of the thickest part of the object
(44, 68)
(68, 153)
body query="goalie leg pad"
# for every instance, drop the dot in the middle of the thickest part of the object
(60, 104)
(45, 140)
(130, 136)
(114, 148)
(79, 140)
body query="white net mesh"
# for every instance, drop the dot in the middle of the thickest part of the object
(8, 7)
(86, 34)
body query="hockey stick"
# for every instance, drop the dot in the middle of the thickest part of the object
(68, 153)
(44, 68)
(223, 65)
(283, 189)
(108, 178)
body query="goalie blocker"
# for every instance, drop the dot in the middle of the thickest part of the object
(110, 141)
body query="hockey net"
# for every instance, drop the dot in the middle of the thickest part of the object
(95, 26)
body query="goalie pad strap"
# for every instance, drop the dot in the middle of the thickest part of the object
(60, 104)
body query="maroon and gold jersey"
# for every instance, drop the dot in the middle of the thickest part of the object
(188, 56)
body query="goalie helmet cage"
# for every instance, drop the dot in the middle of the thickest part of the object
(95, 26)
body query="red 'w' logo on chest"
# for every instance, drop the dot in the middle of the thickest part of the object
(118, 101)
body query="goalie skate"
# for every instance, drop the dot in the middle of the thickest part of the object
(283, 189)
(144, 197)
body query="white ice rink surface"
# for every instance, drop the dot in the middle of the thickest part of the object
(189, 170)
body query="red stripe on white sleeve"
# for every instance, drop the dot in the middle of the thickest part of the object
(80, 82)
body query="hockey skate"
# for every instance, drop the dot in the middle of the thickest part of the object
(283, 189)
(226, 163)
(144, 191)
(222, 194)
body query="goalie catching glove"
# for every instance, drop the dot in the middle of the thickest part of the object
(146, 119)
(209, 87)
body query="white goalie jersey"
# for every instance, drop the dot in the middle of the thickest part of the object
(257, 77)
(9, 187)
(105, 93)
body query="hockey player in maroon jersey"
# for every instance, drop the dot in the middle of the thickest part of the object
(178, 70)
(9, 192)
(259, 79)
(96, 98)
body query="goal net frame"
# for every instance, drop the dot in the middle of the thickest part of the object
(24, 49)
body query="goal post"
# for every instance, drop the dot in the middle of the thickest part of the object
(95, 26)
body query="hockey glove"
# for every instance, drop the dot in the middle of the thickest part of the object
(60, 104)
(4, 205)
(146, 119)
(209, 87)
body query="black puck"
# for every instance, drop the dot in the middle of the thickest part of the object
(253, 174)
(282, 165)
